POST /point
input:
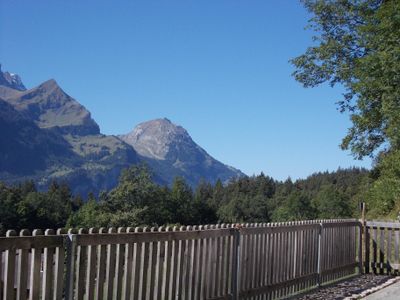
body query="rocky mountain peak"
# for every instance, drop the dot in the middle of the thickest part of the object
(50, 84)
(50, 107)
(11, 80)
(169, 149)
(158, 138)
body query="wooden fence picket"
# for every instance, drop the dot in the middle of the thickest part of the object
(22, 270)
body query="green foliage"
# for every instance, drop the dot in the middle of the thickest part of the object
(331, 203)
(244, 209)
(181, 202)
(246, 200)
(205, 204)
(297, 206)
(138, 201)
(383, 196)
(357, 46)
(24, 207)
(89, 214)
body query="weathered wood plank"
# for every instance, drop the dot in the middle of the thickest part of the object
(243, 261)
(334, 270)
(59, 258)
(143, 237)
(174, 267)
(22, 271)
(223, 262)
(30, 242)
(159, 267)
(110, 266)
(119, 266)
(167, 267)
(382, 250)
(186, 266)
(235, 270)
(374, 248)
(80, 269)
(101, 268)
(379, 224)
(71, 264)
(47, 281)
(151, 268)
(389, 250)
(367, 249)
(200, 278)
(144, 267)
(274, 287)
(36, 259)
(91, 269)
(218, 263)
(137, 250)
(9, 269)
(192, 266)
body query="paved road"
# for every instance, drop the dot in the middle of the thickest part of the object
(392, 292)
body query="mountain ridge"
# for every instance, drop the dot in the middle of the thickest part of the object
(93, 161)
(11, 80)
(49, 106)
(162, 143)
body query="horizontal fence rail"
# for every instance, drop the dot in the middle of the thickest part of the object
(224, 261)
(382, 247)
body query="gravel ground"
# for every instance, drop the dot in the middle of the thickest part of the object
(349, 288)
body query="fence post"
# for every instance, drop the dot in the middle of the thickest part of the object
(361, 230)
(70, 241)
(235, 263)
(319, 254)
(364, 233)
(367, 249)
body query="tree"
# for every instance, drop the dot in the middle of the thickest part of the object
(357, 46)
(8, 209)
(244, 208)
(383, 197)
(296, 206)
(89, 215)
(181, 202)
(330, 203)
(204, 204)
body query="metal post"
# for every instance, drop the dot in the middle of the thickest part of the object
(70, 240)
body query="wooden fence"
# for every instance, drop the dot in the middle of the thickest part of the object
(382, 247)
(226, 261)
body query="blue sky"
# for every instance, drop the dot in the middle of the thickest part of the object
(219, 68)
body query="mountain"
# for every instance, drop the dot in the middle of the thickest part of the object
(26, 147)
(49, 106)
(46, 135)
(171, 152)
(11, 80)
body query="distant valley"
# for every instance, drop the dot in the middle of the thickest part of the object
(47, 135)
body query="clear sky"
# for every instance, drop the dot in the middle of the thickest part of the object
(219, 68)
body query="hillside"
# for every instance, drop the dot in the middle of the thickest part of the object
(169, 149)
(47, 135)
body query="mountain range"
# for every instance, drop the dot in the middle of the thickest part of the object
(47, 135)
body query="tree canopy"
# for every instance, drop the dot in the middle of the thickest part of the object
(357, 45)
(138, 201)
